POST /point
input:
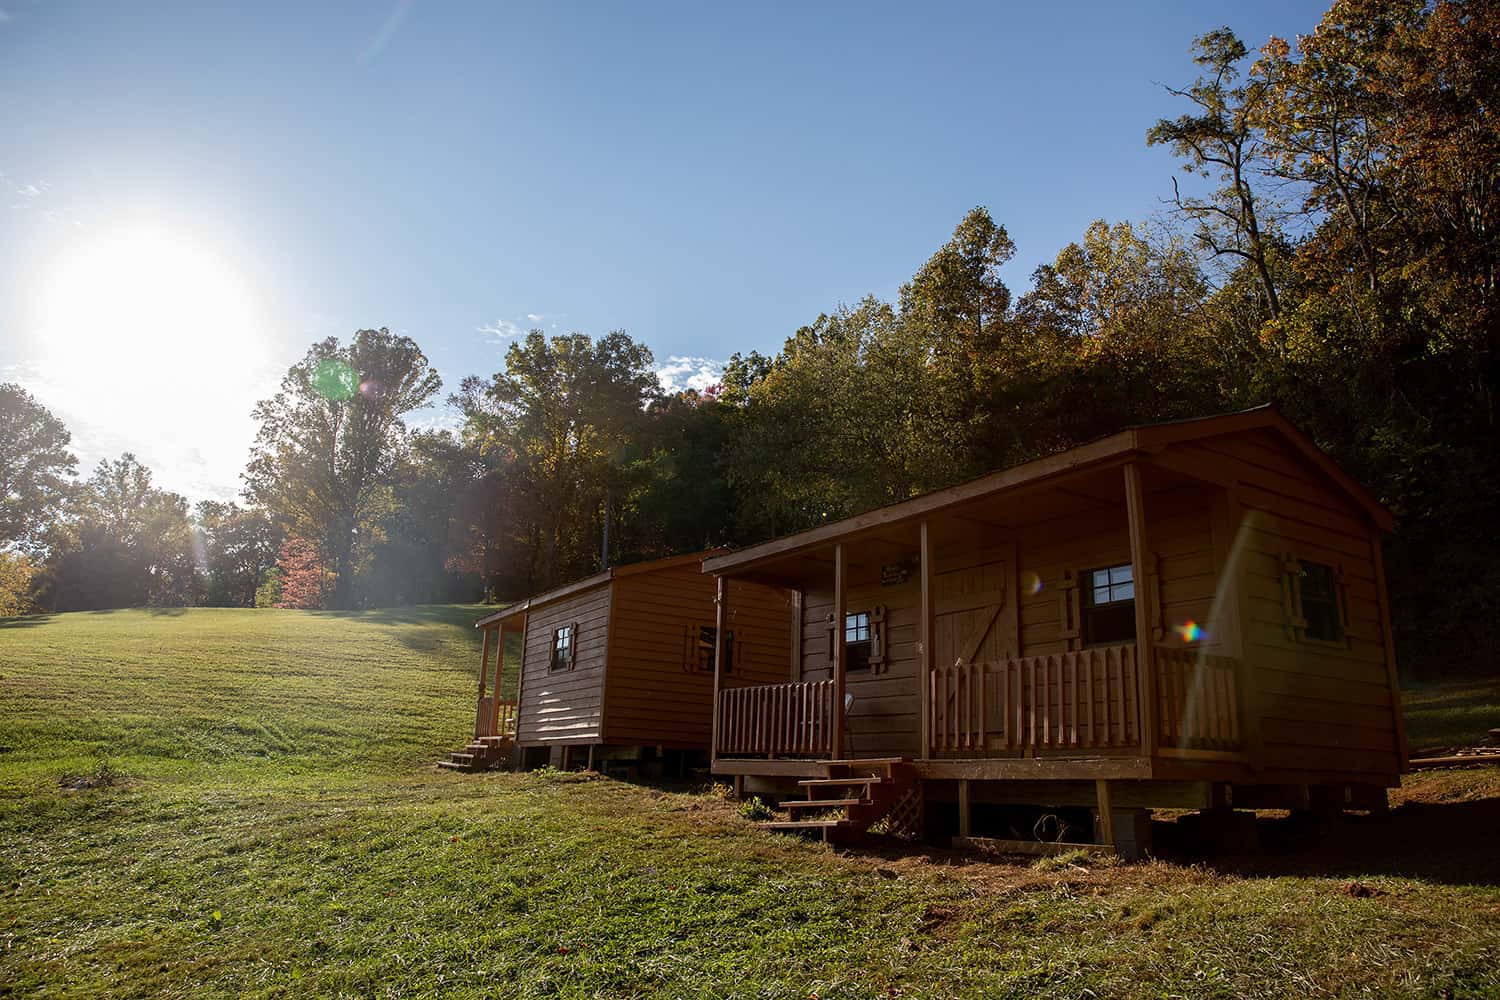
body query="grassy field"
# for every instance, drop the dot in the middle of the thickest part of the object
(267, 822)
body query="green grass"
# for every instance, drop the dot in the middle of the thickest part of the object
(1456, 714)
(277, 829)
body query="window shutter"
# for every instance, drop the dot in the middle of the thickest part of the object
(1068, 610)
(877, 638)
(1291, 594)
(573, 647)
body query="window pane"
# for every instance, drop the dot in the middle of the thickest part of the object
(1101, 577)
(1123, 591)
(1120, 574)
(1101, 595)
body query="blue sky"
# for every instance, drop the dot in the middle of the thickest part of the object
(706, 177)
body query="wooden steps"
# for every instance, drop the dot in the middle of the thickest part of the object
(795, 826)
(820, 803)
(480, 755)
(863, 791)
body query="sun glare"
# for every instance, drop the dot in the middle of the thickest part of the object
(152, 336)
(147, 309)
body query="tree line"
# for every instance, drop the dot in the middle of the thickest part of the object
(1332, 250)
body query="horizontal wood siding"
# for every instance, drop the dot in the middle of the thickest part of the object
(563, 706)
(884, 720)
(1180, 551)
(655, 693)
(1319, 707)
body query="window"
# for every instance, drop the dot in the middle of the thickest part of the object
(1108, 605)
(1320, 601)
(704, 649)
(858, 641)
(562, 648)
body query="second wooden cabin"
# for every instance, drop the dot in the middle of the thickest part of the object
(616, 669)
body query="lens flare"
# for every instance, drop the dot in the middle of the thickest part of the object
(1031, 583)
(334, 380)
(1190, 631)
(371, 389)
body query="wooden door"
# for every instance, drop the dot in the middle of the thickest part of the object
(975, 623)
(972, 610)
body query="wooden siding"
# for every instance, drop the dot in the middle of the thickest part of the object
(655, 694)
(563, 706)
(1326, 707)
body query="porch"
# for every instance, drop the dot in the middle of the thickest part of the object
(1084, 703)
(1070, 621)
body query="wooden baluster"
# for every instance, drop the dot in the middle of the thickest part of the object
(1089, 692)
(984, 711)
(1113, 694)
(1031, 691)
(1187, 702)
(1047, 698)
(1232, 707)
(1019, 709)
(1002, 702)
(1167, 691)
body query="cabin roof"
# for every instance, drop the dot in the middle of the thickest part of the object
(1138, 439)
(589, 582)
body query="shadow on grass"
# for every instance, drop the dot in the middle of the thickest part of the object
(1446, 842)
(25, 621)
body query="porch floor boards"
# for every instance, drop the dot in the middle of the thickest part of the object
(929, 768)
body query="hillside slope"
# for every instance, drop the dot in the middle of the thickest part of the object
(243, 803)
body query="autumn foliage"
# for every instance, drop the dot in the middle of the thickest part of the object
(305, 578)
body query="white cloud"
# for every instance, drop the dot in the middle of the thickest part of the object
(513, 329)
(4, 16)
(502, 330)
(683, 372)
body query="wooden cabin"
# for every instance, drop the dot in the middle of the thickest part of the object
(1186, 615)
(617, 669)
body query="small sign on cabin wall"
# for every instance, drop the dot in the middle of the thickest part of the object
(895, 574)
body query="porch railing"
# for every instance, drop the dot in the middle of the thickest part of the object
(491, 719)
(1198, 700)
(1085, 699)
(777, 719)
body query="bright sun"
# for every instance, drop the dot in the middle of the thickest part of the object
(149, 339)
(145, 308)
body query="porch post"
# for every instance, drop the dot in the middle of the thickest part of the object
(484, 666)
(1145, 655)
(721, 617)
(927, 662)
(521, 676)
(840, 650)
(1106, 832)
(499, 673)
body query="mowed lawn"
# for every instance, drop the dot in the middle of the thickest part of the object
(267, 821)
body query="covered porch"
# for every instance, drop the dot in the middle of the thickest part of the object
(1068, 618)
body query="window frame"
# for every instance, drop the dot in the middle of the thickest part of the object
(1088, 610)
(1296, 569)
(569, 658)
(708, 637)
(868, 644)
